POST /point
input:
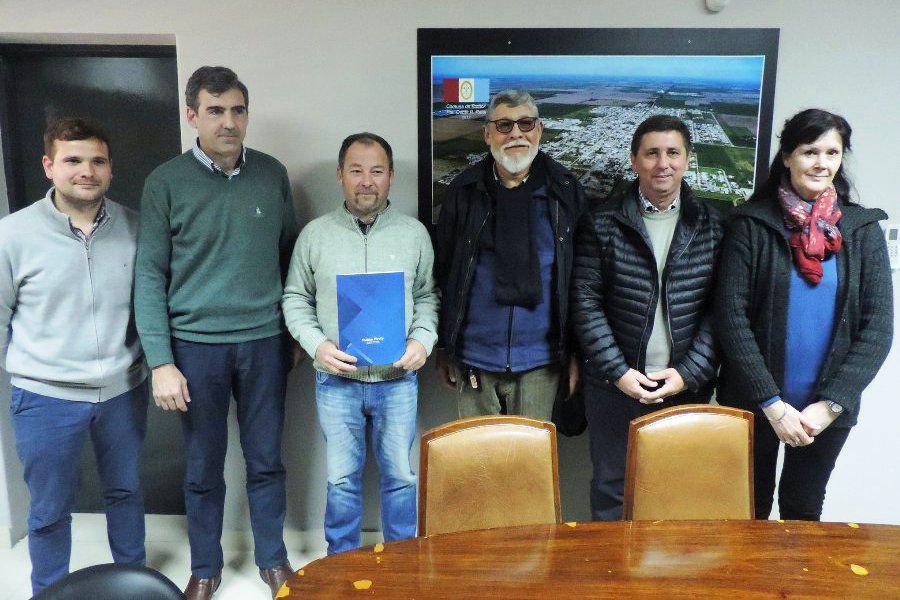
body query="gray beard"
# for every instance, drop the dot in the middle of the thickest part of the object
(513, 165)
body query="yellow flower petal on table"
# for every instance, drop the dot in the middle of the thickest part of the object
(853, 525)
(571, 523)
(859, 570)
(379, 548)
(300, 572)
(781, 520)
(805, 570)
(362, 584)
(283, 591)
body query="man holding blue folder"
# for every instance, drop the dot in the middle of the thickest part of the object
(356, 274)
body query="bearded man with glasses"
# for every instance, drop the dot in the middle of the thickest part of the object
(503, 259)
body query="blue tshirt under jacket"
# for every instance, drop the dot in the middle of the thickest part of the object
(497, 337)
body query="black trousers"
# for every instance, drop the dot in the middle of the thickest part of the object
(609, 412)
(804, 475)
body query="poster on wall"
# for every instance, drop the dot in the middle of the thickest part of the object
(592, 88)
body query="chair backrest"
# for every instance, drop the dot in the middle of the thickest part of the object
(693, 461)
(496, 471)
(112, 582)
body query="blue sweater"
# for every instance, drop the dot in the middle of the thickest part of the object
(810, 320)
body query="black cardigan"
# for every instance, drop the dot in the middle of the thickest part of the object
(752, 300)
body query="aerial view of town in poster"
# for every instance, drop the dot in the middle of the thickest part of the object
(591, 105)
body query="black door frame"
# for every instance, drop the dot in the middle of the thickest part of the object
(9, 139)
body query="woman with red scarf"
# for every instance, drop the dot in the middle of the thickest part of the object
(804, 311)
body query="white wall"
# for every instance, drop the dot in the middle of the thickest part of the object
(13, 495)
(7, 450)
(319, 70)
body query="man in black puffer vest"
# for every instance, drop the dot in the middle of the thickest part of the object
(641, 291)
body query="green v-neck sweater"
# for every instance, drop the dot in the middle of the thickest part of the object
(211, 253)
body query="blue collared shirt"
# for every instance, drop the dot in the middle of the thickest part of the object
(207, 162)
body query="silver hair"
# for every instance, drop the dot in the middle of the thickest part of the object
(511, 98)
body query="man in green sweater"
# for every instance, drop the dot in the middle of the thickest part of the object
(364, 235)
(217, 225)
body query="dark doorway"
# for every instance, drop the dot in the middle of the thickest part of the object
(133, 92)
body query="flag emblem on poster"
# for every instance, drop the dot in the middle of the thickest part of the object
(466, 90)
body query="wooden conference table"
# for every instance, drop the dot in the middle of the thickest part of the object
(648, 559)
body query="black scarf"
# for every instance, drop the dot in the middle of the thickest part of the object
(517, 269)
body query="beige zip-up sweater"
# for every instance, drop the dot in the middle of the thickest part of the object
(333, 245)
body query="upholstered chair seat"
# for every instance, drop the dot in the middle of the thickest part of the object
(488, 472)
(690, 462)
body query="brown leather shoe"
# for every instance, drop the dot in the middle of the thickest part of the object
(276, 576)
(202, 589)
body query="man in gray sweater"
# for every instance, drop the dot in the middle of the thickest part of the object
(364, 235)
(68, 341)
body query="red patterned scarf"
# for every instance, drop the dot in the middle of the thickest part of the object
(815, 234)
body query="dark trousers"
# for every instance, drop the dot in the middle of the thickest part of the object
(50, 434)
(255, 373)
(804, 475)
(609, 412)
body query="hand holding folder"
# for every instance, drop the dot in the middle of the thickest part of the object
(372, 317)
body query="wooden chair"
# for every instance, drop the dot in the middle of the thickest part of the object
(483, 472)
(693, 461)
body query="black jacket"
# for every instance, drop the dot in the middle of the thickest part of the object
(616, 287)
(752, 300)
(466, 212)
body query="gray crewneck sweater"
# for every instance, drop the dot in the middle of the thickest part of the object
(65, 304)
(333, 244)
(660, 227)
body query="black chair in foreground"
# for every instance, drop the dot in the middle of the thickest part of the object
(112, 582)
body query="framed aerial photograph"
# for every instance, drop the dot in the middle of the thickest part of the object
(592, 88)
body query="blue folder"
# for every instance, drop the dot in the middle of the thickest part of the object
(372, 317)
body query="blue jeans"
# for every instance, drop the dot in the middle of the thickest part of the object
(255, 373)
(50, 434)
(344, 407)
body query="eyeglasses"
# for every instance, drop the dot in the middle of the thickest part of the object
(525, 124)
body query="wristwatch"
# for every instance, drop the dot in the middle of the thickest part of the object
(834, 407)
